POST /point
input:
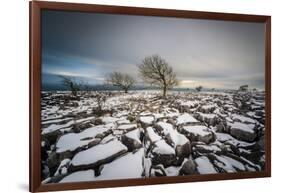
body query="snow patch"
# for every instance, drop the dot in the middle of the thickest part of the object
(186, 118)
(98, 152)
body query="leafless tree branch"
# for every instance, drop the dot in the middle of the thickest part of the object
(156, 71)
(121, 80)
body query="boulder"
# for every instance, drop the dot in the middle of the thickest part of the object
(201, 149)
(127, 127)
(75, 142)
(174, 139)
(97, 155)
(183, 150)
(151, 135)
(157, 170)
(210, 119)
(185, 106)
(198, 133)
(131, 143)
(204, 165)
(96, 141)
(52, 137)
(242, 131)
(146, 121)
(243, 119)
(53, 162)
(253, 156)
(163, 153)
(226, 164)
(186, 119)
(165, 159)
(189, 167)
(62, 169)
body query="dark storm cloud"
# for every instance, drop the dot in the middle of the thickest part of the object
(211, 53)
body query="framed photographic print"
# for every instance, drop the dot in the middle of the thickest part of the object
(123, 96)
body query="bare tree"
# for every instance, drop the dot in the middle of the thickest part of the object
(121, 80)
(198, 88)
(156, 71)
(101, 99)
(71, 84)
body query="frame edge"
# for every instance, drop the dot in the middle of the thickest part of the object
(34, 95)
(268, 95)
(35, 8)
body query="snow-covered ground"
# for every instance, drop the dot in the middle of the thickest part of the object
(141, 134)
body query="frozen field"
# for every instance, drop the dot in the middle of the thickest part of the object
(112, 135)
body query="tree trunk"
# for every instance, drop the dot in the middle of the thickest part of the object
(164, 91)
(126, 90)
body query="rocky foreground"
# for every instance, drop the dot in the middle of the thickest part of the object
(111, 135)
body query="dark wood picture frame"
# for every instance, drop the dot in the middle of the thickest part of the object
(35, 88)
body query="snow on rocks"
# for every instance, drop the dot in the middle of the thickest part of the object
(53, 131)
(72, 141)
(175, 139)
(242, 131)
(151, 135)
(172, 171)
(56, 121)
(228, 139)
(146, 120)
(204, 149)
(127, 127)
(135, 134)
(162, 148)
(79, 176)
(210, 119)
(163, 153)
(54, 127)
(97, 155)
(186, 106)
(164, 127)
(186, 119)
(141, 134)
(198, 133)
(170, 112)
(123, 121)
(243, 119)
(106, 120)
(228, 164)
(132, 140)
(204, 166)
(62, 169)
(131, 163)
(208, 108)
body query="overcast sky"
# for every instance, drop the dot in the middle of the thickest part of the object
(214, 54)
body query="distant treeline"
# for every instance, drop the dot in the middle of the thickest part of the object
(97, 87)
(106, 87)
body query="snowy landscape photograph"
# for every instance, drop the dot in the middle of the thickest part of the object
(130, 97)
